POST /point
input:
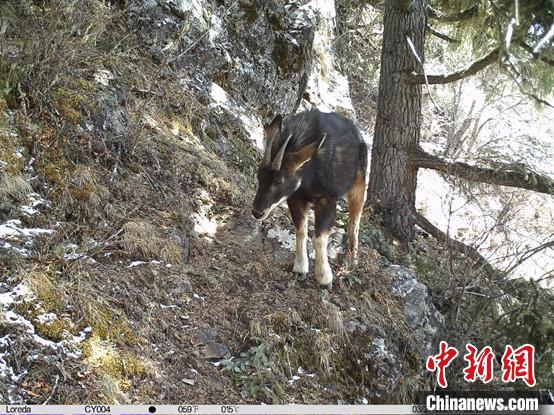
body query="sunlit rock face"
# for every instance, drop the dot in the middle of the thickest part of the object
(249, 60)
(258, 52)
(327, 87)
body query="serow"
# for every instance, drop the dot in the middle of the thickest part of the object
(311, 160)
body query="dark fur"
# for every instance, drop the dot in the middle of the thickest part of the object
(325, 158)
(332, 169)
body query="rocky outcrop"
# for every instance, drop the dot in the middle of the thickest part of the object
(258, 52)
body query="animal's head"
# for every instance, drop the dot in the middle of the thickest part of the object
(279, 174)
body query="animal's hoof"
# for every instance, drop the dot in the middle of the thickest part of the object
(328, 287)
(301, 276)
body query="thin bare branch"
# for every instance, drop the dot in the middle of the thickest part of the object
(456, 17)
(440, 35)
(529, 49)
(528, 254)
(469, 70)
(442, 237)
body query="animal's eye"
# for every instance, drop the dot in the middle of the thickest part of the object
(279, 180)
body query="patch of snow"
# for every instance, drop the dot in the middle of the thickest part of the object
(12, 229)
(46, 318)
(103, 76)
(21, 251)
(135, 264)
(294, 379)
(18, 293)
(287, 240)
(162, 306)
(34, 200)
(203, 225)
(284, 237)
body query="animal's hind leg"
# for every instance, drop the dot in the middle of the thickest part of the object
(356, 199)
(299, 211)
(325, 214)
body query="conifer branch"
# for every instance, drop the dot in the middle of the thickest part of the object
(512, 175)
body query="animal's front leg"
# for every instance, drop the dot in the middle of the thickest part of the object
(325, 213)
(299, 212)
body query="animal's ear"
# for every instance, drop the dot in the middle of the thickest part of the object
(274, 127)
(272, 134)
(295, 160)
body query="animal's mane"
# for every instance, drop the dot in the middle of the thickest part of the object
(303, 127)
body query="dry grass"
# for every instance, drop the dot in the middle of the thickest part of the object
(14, 189)
(41, 42)
(141, 240)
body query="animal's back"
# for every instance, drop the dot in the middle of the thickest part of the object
(342, 154)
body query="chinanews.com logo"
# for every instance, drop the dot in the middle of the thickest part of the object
(516, 365)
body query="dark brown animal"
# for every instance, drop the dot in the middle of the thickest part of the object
(313, 158)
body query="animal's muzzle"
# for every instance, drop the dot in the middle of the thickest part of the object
(257, 214)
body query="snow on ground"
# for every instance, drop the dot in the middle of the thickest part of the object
(23, 330)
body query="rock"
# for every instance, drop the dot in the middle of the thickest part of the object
(206, 335)
(426, 322)
(215, 351)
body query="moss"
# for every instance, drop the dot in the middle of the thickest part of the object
(51, 296)
(108, 323)
(374, 236)
(68, 103)
(54, 330)
(431, 272)
(107, 360)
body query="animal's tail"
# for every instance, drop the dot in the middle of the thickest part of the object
(363, 159)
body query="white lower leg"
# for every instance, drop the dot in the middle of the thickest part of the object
(301, 264)
(323, 271)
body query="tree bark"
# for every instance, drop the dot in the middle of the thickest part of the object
(393, 179)
(515, 175)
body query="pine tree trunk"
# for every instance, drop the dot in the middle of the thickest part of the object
(393, 179)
